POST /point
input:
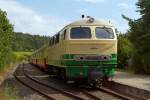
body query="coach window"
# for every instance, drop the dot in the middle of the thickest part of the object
(50, 42)
(80, 33)
(53, 40)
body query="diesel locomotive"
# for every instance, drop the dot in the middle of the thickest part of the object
(83, 50)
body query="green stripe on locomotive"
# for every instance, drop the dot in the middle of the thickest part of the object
(75, 69)
(71, 56)
(83, 71)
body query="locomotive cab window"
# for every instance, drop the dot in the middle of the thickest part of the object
(104, 33)
(80, 33)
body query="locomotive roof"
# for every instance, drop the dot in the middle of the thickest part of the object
(86, 22)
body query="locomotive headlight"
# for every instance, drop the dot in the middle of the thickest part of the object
(106, 57)
(79, 58)
(91, 20)
(81, 73)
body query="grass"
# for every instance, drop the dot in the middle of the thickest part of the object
(12, 93)
(9, 93)
(19, 56)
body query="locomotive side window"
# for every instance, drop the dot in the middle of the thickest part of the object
(63, 35)
(50, 41)
(57, 38)
(80, 33)
(104, 33)
(53, 40)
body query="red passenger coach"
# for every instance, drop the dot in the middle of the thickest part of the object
(41, 63)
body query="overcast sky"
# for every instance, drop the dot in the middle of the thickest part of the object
(46, 17)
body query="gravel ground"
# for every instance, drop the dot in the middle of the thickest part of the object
(138, 81)
(11, 89)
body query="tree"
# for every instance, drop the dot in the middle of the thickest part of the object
(6, 38)
(125, 50)
(139, 34)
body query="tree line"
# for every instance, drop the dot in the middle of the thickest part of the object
(138, 47)
(28, 42)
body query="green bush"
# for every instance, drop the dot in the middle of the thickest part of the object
(145, 59)
(19, 56)
(139, 35)
(125, 50)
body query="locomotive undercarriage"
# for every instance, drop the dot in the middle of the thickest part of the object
(94, 78)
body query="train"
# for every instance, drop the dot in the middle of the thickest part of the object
(83, 50)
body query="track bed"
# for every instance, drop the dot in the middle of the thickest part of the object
(53, 88)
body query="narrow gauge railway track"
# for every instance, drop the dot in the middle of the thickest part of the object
(84, 91)
(29, 86)
(43, 89)
(88, 95)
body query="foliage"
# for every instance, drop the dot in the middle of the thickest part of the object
(6, 38)
(21, 55)
(125, 50)
(16, 41)
(139, 34)
(27, 42)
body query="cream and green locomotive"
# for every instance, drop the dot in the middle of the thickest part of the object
(85, 49)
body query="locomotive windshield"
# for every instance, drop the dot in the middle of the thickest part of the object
(80, 33)
(104, 33)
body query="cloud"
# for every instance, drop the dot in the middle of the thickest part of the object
(90, 1)
(27, 20)
(125, 6)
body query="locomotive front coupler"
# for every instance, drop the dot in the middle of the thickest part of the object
(95, 78)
